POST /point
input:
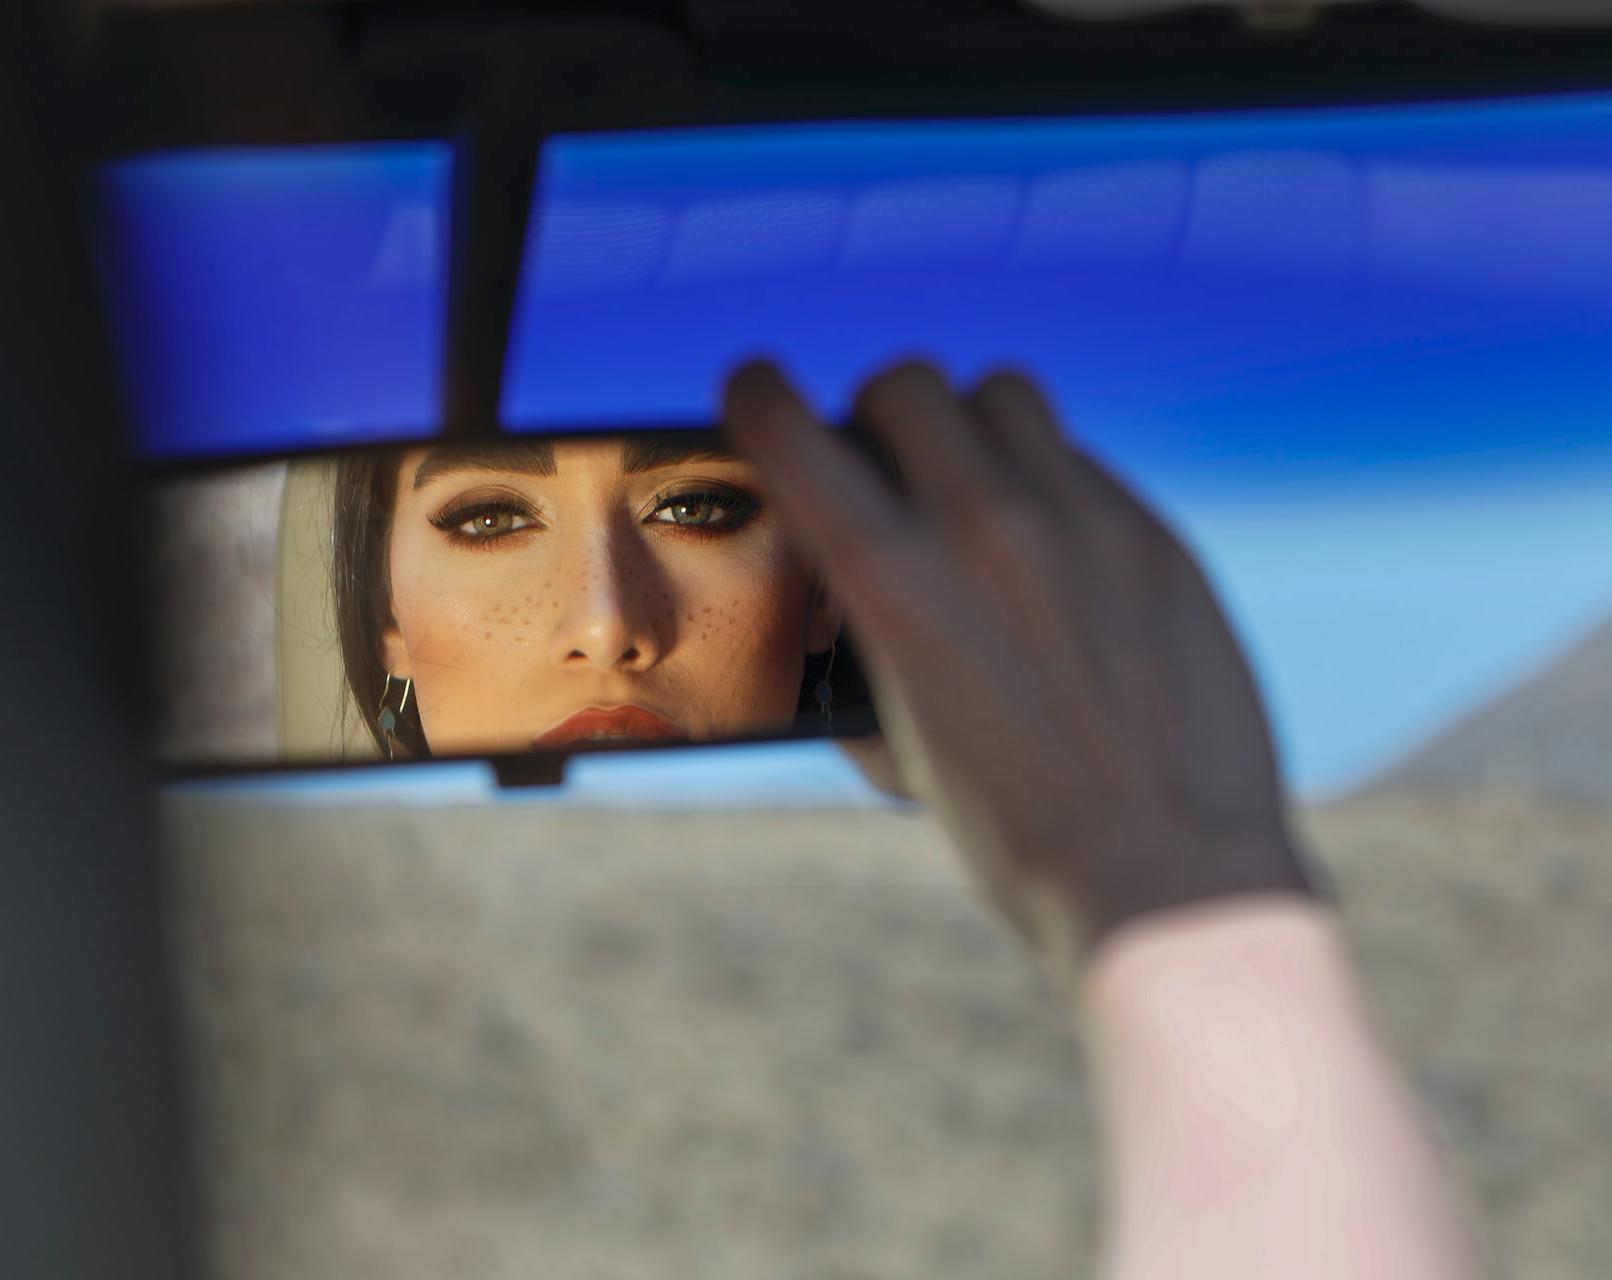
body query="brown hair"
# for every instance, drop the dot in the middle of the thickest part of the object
(360, 575)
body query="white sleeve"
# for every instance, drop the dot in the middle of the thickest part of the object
(1256, 1128)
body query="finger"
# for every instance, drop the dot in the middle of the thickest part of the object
(1117, 503)
(1117, 551)
(1015, 415)
(1023, 432)
(877, 763)
(933, 437)
(1047, 469)
(832, 502)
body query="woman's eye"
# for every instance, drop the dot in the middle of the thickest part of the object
(704, 510)
(482, 524)
(493, 522)
(691, 513)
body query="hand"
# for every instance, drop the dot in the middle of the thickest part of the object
(1051, 670)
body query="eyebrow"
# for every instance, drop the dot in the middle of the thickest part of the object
(529, 457)
(649, 453)
(536, 457)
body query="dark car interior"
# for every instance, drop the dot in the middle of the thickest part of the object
(97, 1165)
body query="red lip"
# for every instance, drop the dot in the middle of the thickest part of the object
(612, 724)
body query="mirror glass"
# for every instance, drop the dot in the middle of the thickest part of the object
(273, 297)
(1253, 285)
(458, 600)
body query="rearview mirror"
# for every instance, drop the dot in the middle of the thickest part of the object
(534, 595)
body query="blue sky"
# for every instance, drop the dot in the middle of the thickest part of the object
(261, 297)
(1375, 617)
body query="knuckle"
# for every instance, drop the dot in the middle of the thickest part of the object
(1015, 530)
(974, 509)
(1026, 529)
(1031, 520)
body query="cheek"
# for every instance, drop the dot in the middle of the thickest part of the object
(440, 628)
(741, 624)
(448, 610)
(467, 640)
(747, 598)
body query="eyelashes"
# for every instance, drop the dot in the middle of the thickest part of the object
(707, 511)
(482, 522)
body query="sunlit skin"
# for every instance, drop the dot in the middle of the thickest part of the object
(533, 584)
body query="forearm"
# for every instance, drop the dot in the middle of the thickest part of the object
(1255, 1125)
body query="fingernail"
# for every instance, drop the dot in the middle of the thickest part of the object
(756, 377)
(755, 393)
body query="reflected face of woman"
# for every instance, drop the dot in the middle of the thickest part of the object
(544, 594)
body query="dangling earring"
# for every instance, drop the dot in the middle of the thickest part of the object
(386, 717)
(824, 692)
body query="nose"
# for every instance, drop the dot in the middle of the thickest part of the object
(605, 619)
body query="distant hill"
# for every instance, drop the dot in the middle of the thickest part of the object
(1552, 733)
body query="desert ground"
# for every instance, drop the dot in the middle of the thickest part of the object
(523, 1041)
